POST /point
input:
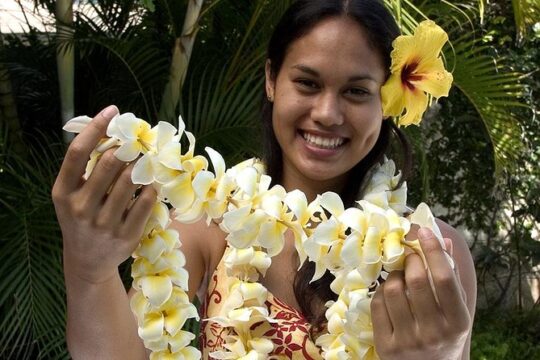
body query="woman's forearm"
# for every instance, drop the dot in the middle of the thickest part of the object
(100, 324)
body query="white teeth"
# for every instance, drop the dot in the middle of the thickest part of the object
(323, 142)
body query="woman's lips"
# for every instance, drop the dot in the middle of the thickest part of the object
(323, 146)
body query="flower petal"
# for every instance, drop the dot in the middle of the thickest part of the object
(332, 202)
(417, 102)
(392, 96)
(128, 151)
(157, 289)
(77, 124)
(143, 171)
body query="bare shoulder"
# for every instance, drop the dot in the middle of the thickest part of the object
(464, 262)
(203, 246)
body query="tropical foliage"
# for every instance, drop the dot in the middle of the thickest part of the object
(124, 52)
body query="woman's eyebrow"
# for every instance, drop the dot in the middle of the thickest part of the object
(306, 69)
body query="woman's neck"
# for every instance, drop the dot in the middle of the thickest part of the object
(294, 180)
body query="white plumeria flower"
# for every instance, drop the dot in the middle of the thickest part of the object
(212, 191)
(164, 157)
(169, 318)
(156, 280)
(325, 244)
(305, 218)
(247, 264)
(272, 232)
(136, 136)
(381, 189)
(179, 191)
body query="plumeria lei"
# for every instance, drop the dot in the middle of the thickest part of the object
(357, 245)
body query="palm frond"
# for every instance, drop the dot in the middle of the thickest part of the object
(495, 91)
(223, 118)
(32, 296)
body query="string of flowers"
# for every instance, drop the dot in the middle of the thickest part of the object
(357, 245)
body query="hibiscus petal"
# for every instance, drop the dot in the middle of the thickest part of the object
(429, 39)
(417, 102)
(436, 81)
(392, 96)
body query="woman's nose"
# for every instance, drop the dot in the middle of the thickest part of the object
(326, 110)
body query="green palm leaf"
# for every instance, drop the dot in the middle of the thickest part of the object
(495, 91)
(32, 286)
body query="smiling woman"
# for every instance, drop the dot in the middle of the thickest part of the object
(326, 137)
(327, 111)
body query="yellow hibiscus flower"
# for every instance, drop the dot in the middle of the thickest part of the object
(417, 74)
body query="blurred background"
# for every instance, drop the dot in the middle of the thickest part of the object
(476, 152)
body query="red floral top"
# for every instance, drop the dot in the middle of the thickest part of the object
(290, 334)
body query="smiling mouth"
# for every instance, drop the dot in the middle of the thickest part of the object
(323, 142)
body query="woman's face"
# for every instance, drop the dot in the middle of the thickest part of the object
(327, 108)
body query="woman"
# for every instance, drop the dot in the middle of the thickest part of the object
(327, 61)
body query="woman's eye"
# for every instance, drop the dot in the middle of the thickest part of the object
(307, 84)
(358, 92)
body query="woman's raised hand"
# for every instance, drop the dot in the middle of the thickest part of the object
(101, 221)
(409, 321)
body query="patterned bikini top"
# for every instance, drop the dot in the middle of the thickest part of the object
(290, 333)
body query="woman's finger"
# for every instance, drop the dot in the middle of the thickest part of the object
(74, 165)
(382, 326)
(118, 199)
(421, 298)
(397, 304)
(445, 281)
(104, 175)
(139, 212)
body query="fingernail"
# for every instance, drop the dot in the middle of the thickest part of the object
(109, 111)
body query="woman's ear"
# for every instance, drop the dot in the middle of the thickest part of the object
(270, 83)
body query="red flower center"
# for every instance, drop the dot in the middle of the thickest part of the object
(408, 76)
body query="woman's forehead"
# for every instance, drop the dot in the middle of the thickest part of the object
(338, 46)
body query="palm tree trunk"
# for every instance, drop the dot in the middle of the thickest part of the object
(183, 47)
(8, 109)
(65, 61)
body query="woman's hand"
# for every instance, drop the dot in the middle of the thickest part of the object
(101, 224)
(408, 320)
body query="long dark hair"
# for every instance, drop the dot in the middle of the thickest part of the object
(381, 29)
